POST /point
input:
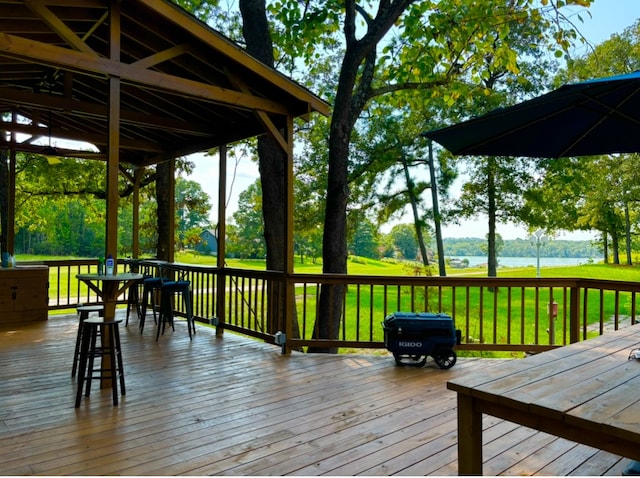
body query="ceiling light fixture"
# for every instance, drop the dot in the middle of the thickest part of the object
(49, 152)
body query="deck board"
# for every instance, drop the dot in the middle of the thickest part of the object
(234, 406)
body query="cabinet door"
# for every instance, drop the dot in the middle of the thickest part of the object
(31, 293)
(24, 294)
(6, 296)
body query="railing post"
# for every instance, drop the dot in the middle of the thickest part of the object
(552, 313)
(289, 312)
(221, 287)
(574, 314)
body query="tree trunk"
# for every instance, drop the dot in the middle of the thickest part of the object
(627, 230)
(491, 211)
(615, 244)
(272, 158)
(414, 208)
(164, 196)
(334, 240)
(354, 84)
(272, 165)
(436, 213)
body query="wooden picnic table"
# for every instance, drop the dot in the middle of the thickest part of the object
(587, 392)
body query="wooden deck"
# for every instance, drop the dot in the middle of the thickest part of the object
(234, 406)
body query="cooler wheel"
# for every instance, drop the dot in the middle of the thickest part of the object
(445, 358)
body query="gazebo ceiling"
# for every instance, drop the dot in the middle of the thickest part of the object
(184, 88)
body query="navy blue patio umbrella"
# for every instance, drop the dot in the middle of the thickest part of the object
(600, 116)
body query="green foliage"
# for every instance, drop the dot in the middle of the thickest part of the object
(192, 237)
(403, 237)
(246, 234)
(365, 240)
(192, 212)
(221, 14)
(68, 232)
(60, 209)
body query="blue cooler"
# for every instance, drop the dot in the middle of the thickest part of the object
(411, 337)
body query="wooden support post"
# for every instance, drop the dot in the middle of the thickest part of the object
(113, 155)
(221, 277)
(171, 193)
(11, 196)
(289, 252)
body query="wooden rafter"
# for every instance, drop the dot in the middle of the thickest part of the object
(177, 87)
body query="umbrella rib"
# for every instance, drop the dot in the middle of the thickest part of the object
(588, 118)
(611, 111)
(510, 131)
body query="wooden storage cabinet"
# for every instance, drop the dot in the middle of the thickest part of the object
(24, 294)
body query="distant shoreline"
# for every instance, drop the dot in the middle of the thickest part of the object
(479, 261)
(474, 247)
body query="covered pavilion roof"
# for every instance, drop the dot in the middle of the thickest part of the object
(183, 87)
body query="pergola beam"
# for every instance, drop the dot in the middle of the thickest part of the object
(39, 8)
(219, 43)
(77, 61)
(94, 110)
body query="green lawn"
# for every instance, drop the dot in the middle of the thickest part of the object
(361, 326)
(498, 331)
(365, 266)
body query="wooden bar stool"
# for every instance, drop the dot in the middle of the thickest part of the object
(168, 291)
(83, 314)
(110, 352)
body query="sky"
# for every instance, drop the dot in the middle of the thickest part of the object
(607, 17)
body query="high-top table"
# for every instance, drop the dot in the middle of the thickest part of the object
(587, 392)
(109, 288)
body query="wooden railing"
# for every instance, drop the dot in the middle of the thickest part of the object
(493, 314)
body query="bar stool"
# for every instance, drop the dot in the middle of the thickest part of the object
(83, 314)
(133, 293)
(110, 352)
(133, 300)
(150, 285)
(167, 294)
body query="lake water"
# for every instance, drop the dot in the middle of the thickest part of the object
(526, 261)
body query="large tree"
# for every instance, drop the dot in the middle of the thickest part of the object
(494, 188)
(272, 159)
(494, 185)
(441, 43)
(386, 46)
